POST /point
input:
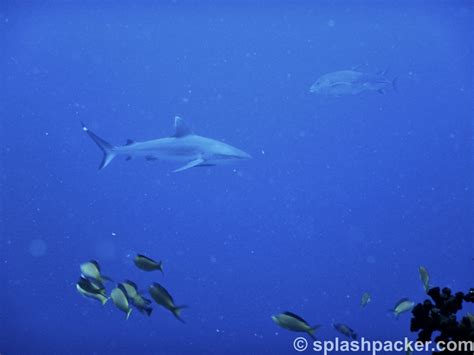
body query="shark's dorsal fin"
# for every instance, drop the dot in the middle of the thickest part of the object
(181, 128)
(129, 142)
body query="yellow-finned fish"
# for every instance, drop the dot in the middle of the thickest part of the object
(402, 306)
(147, 264)
(120, 300)
(365, 299)
(88, 289)
(137, 300)
(130, 288)
(345, 330)
(294, 323)
(91, 270)
(163, 298)
(424, 277)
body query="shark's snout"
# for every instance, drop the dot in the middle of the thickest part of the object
(242, 155)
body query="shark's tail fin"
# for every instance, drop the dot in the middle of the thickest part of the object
(106, 147)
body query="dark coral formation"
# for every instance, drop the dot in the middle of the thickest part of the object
(441, 317)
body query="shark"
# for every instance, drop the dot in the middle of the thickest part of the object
(183, 146)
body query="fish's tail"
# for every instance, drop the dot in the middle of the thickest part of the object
(107, 148)
(395, 84)
(177, 312)
(148, 311)
(105, 278)
(393, 313)
(312, 330)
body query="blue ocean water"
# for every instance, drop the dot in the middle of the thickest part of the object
(343, 194)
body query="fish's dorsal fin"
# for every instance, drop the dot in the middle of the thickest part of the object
(146, 258)
(130, 142)
(132, 284)
(181, 128)
(96, 264)
(124, 290)
(295, 316)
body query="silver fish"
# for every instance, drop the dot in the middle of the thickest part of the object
(351, 82)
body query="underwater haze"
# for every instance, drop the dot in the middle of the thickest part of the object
(344, 194)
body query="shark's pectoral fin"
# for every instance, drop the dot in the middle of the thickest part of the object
(190, 165)
(151, 158)
(128, 158)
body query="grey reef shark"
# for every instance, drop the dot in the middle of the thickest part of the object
(184, 147)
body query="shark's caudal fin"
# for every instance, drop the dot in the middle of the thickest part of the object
(106, 147)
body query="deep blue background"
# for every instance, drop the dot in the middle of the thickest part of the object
(343, 195)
